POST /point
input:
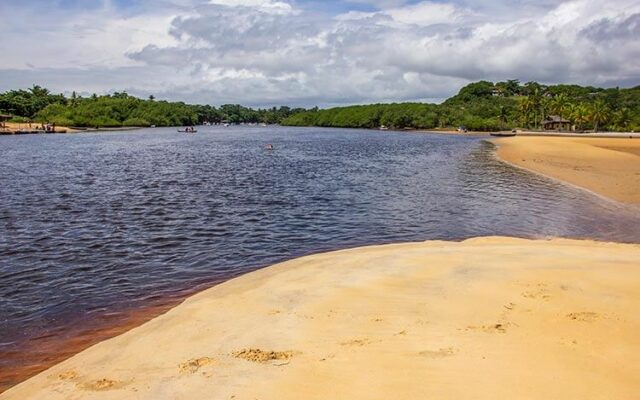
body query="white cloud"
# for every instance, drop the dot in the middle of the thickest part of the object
(272, 52)
(426, 13)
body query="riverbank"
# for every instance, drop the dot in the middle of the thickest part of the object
(622, 135)
(607, 166)
(481, 319)
(12, 128)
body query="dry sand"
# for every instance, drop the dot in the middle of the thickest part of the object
(607, 166)
(12, 126)
(487, 318)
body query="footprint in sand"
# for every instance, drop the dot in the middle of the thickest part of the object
(101, 385)
(507, 309)
(586, 316)
(493, 328)
(192, 366)
(540, 293)
(356, 342)
(98, 385)
(68, 375)
(440, 353)
(261, 356)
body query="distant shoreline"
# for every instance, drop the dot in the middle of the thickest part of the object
(22, 128)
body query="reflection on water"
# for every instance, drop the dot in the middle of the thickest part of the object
(95, 225)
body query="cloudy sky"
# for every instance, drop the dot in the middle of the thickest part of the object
(313, 52)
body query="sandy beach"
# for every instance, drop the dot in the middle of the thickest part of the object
(607, 166)
(14, 126)
(487, 318)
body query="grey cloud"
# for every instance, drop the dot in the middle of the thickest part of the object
(226, 28)
(607, 29)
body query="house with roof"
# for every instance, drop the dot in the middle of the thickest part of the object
(556, 123)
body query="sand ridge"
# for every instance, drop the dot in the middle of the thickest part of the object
(607, 166)
(478, 319)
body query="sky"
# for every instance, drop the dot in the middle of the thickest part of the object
(313, 52)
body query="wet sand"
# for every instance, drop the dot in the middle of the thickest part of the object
(36, 355)
(607, 166)
(485, 318)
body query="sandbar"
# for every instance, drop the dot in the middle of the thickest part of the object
(485, 318)
(607, 166)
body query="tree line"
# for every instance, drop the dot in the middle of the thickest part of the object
(481, 106)
(488, 106)
(120, 109)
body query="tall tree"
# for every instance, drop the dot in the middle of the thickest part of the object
(580, 115)
(559, 105)
(598, 114)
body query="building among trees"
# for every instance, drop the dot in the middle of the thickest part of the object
(556, 123)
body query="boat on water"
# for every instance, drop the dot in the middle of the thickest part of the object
(189, 129)
(503, 134)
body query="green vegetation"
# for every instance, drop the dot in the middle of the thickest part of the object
(415, 115)
(121, 109)
(485, 106)
(26, 103)
(481, 106)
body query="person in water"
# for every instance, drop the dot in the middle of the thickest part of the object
(269, 146)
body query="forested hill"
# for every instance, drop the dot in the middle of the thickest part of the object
(120, 109)
(479, 106)
(486, 106)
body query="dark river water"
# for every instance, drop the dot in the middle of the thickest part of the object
(94, 225)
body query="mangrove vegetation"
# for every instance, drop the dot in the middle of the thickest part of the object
(485, 106)
(480, 106)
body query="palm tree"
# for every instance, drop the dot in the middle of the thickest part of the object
(503, 116)
(622, 118)
(537, 106)
(559, 105)
(598, 114)
(525, 107)
(580, 115)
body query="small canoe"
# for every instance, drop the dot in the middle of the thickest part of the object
(503, 134)
(184, 131)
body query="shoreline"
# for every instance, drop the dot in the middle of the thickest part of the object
(30, 359)
(370, 322)
(605, 166)
(15, 128)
